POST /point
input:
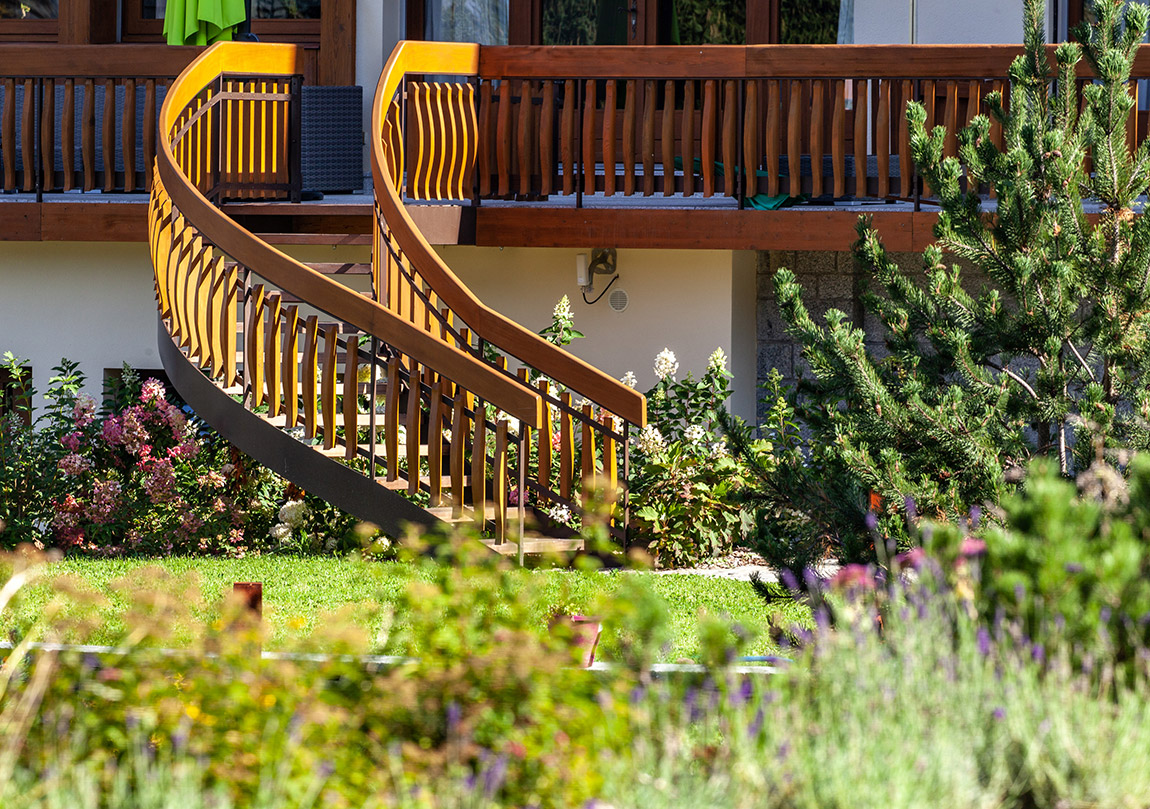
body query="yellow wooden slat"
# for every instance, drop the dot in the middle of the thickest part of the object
(479, 464)
(254, 344)
(411, 424)
(290, 373)
(456, 462)
(327, 387)
(435, 416)
(499, 481)
(391, 419)
(272, 353)
(566, 447)
(351, 396)
(310, 375)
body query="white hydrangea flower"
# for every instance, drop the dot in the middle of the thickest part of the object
(617, 424)
(719, 449)
(629, 379)
(694, 433)
(280, 532)
(561, 514)
(402, 435)
(294, 513)
(650, 440)
(718, 360)
(666, 365)
(563, 311)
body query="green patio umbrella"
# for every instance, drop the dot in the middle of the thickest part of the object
(202, 22)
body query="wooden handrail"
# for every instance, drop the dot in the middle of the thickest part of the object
(464, 60)
(762, 61)
(294, 277)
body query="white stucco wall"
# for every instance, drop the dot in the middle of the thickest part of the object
(92, 303)
(689, 300)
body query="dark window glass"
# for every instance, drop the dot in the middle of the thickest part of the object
(14, 395)
(809, 22)
(29, 9)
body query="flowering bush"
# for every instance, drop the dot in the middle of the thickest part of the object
(684, 481)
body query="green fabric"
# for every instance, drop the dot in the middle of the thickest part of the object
(202, 22)
(759, 202)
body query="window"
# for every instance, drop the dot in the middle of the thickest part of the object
(29, 19)
(272, 20)
(14, 396)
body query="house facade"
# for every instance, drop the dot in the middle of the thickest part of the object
(694, 254)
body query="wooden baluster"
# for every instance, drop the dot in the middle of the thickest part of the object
(795, 141)
(774, 136)
(128, 135)
(272, 350)
(310, 373)
(499, 482)
(48, 136)
(290, 373)
(905, 164)
(447, 147)
(632, 91)
(524, 429)
(688, 137)
(950, 149)
(183, 258)
(327, 385)
(457, 452)
(648, 138)
(479, 464)
(546, 436)
(28, 134)
(587, 456)
(566, 446)
(149, 125)
(109, 136)
(88, 135)
(730, 125)
(486, 143)
(817, 138)
(547, 140)
(503, 138)
(8, 134)
(470, 132)
(609, 139)
(526, 136)
(68, 135)
(567, 137)
(710, 122)
(589, 138)
(610, 457)
(254, 344)
(228, 325)
(391, 419)
(882, 138)
(413, 417)
(928, 101)
(196, 310)
(667, 138)
(751, 151)
(418, 141)
(973, 104)
(351, 397)
(862, 113)
(216, 303)
(838, 138)
(435, 414)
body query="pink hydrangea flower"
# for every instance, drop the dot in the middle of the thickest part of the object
(84, 411)
(73, 464)
(160, 481)
(113, 431)
(71, 442)
(105, 499)
(152, 391)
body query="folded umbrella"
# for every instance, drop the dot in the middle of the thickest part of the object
(202, 22)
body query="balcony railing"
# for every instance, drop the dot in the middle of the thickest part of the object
(753, 124)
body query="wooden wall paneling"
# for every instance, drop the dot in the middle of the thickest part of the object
(336, 59)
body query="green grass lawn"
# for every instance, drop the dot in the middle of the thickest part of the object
(301, 593)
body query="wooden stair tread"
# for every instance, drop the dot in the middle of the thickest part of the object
(536, 545)
(340, 267)
(315, 238)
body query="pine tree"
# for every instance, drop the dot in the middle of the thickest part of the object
(1051, 356)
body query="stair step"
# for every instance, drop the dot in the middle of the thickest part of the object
(316, 238)
(445, 513)
(536, 545)
(340, 268)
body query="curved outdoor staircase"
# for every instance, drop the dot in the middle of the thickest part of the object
(397, 405)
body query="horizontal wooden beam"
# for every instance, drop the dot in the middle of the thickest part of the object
(679, 229)
(763, 62)
(95, 61)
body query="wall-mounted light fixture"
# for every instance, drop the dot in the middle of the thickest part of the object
(601, 262)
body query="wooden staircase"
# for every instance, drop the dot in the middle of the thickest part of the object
(396, 402)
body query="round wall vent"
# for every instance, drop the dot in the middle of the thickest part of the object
(618, 300)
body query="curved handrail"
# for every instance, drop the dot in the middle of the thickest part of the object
(559, 365)
(295, 277)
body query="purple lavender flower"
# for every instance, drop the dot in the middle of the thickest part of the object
(1038, 653)
(747, 689)
(326, 768)
(1104, 615)
(493, 777)
(911, 511)
(756, 725)
(1074, 567)
(637, 694)
(453, 716)
(999, 714)
(789, 580)
(783, 751)
(975, 516)
(871, 520)
(691, 703)
(983, 637)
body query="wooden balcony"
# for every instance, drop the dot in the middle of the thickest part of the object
(760, 147)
